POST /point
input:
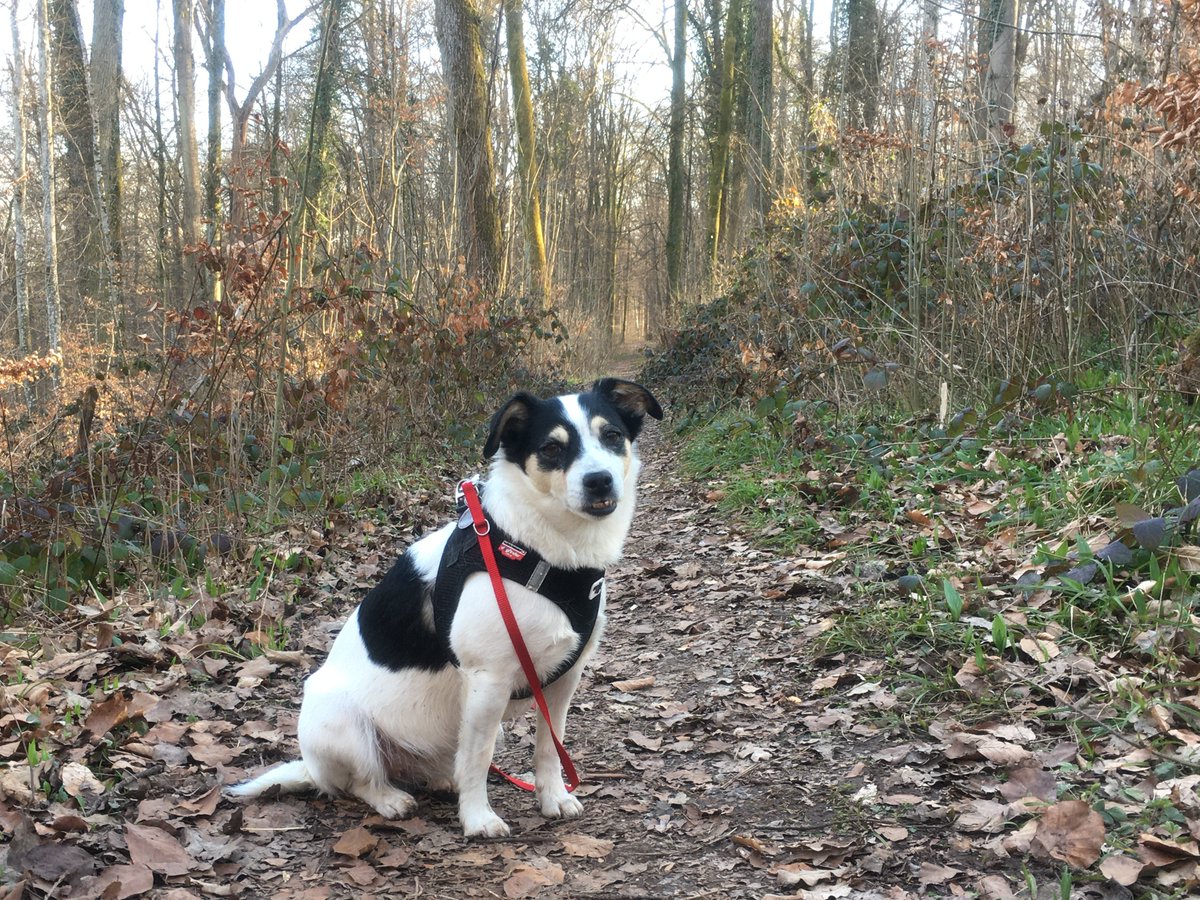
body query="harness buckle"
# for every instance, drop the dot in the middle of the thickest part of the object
(487, 527)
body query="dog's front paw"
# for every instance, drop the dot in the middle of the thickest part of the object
(560, 805)
(483, 824)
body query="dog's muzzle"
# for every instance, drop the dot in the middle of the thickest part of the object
(598, 494)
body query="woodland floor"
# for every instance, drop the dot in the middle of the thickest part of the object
(722, 756)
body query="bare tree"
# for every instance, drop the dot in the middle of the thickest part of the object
(675, 161)
(107, 16)
(19, 258)
(240, 163)
(518, 70)
(185, 96)
(760, 109)
(457, 23)
(213, 37)
(49, 224)
(856, 51)
(723, 132)
(998, 48)
(76, 165)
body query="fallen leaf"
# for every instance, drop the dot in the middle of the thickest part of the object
(49, 861)
(1122, 869)
(634, 684)
(203, 805)
(356, 842)
(78, 779)
(252, 672)
(931, 873)
(1039, 649)
(528, 880)
(119, 882)
(1029, 782)
(1070, 831)
(1155, 851)
(362, 874)
(995, 887)
(646, 743)
(983, 815)
(586, 846)
(154, 848)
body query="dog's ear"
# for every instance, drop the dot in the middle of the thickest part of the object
(509, 422)
(632, 401)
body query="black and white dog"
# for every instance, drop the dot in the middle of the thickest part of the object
(423, 672)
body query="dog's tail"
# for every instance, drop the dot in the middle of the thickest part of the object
(288, 777)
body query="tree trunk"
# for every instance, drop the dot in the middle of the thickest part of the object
(457, 23)
(166, 246)
(863, 52)
(925, 87)
(214, 62)
(328, 75)
(518, 70)
(185, 97)
(759, 113)
(106, 97)
(49, 225)
(719, 162)
(19, 255)
(77, 163)
(675, 162)
(997, 47)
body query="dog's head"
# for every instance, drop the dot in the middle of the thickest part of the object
(576, 449)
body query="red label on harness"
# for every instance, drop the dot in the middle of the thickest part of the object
(511, 551)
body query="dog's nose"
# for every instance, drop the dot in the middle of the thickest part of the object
(598, 484)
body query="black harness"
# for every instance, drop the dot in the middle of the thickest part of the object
(575, 591)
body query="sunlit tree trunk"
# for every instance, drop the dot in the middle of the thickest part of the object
(719, 161)
(457, 24)
(214, 55)
(676, 210)
(997, 49)
(107, 176)
(20, 287)
(329, 74)
(185, 96)
(167, 253)
(49, 224)
(107, 16)
(760, 110)
(76, 164)
(535, 242)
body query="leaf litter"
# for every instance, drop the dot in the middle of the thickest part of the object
(726, 752)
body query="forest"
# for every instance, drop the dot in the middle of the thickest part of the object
(916, 281)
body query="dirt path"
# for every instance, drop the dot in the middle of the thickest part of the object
(697, 759)
(714, 766)
(709, 761)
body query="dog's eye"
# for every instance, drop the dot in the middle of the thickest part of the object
(551, 449)
(613, 436)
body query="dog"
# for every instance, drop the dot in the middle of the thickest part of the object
(423, 672)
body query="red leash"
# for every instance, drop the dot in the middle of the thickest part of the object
(482, 528)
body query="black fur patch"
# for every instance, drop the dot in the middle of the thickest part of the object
(622, 403)
(527, 433)
(392, 627)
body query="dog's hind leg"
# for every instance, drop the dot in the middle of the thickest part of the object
(341, 749)
(553, 797)
(485, 698)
